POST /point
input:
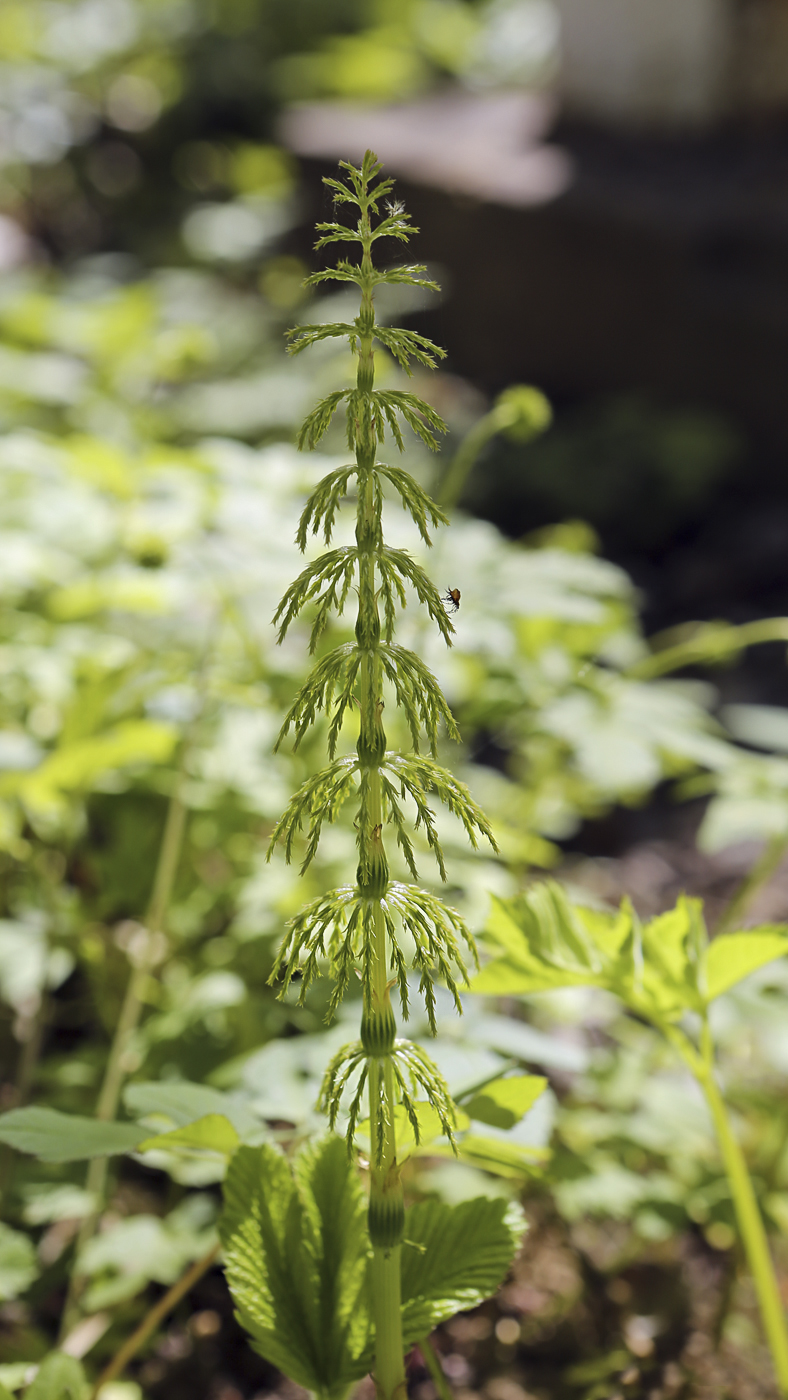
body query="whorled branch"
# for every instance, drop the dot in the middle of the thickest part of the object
(338, 928)
(413, 1071)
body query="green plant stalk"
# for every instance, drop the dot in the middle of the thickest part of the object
(385, 1186)
(710, 642)
(453, 484)
(520, 411)
(759, 875)
(153, 1319)
(128, 1020)
(745, 1203)
(437, 1373)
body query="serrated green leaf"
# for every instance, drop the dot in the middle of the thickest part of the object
(673, 945)
(64, 1137)
(461, 1255)
(504, 1102)
(213, 1133)
(296, 1246)
(733, 956)
(59, 1377)
(513, 1161)
(547, 942)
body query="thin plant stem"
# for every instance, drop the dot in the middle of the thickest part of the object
(759, 875)
(153, 1320)
(710, 642)
(128, 1021)
(450, 489)
(435, 1369)
(748, 1215)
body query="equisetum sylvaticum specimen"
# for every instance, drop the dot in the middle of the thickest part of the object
(358, 929)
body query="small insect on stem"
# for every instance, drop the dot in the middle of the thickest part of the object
(452, 597)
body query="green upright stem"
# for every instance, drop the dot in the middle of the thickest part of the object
(760, 874)
(386, 1206)
(130, 1012)
(748, 1213)
(753, 1233)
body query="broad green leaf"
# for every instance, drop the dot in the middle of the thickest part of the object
(179, 1102)
(430, 1130)
(76, 766)
(213, 1133)
(65, 1137)
(123, 1258)
(60, 1377)
(673, 945)
(733, 956)
(544, 942)
(296, 1246)
(513, 1161)
(4, 1394)
(18, 1263)
(454, 1258)
(504, 1102)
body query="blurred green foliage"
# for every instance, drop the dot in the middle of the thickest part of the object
(148, 501)
(143, 552)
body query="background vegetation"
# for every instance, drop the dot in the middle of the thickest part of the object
(150, 494)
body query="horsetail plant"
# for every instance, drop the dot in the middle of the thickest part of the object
(404, 1274)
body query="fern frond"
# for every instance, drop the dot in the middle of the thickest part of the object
(318, 800)
(328, 579)
(335, 672)
(323, 504)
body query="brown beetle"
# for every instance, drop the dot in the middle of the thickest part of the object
(452, 597)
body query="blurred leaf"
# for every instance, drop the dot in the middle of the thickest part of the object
(64, 1137)
(213, 1133)
(18, 1263)
(59, 1377)
(124, 1257)
(504, 1102)
(181, 1103)
(733, 956)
